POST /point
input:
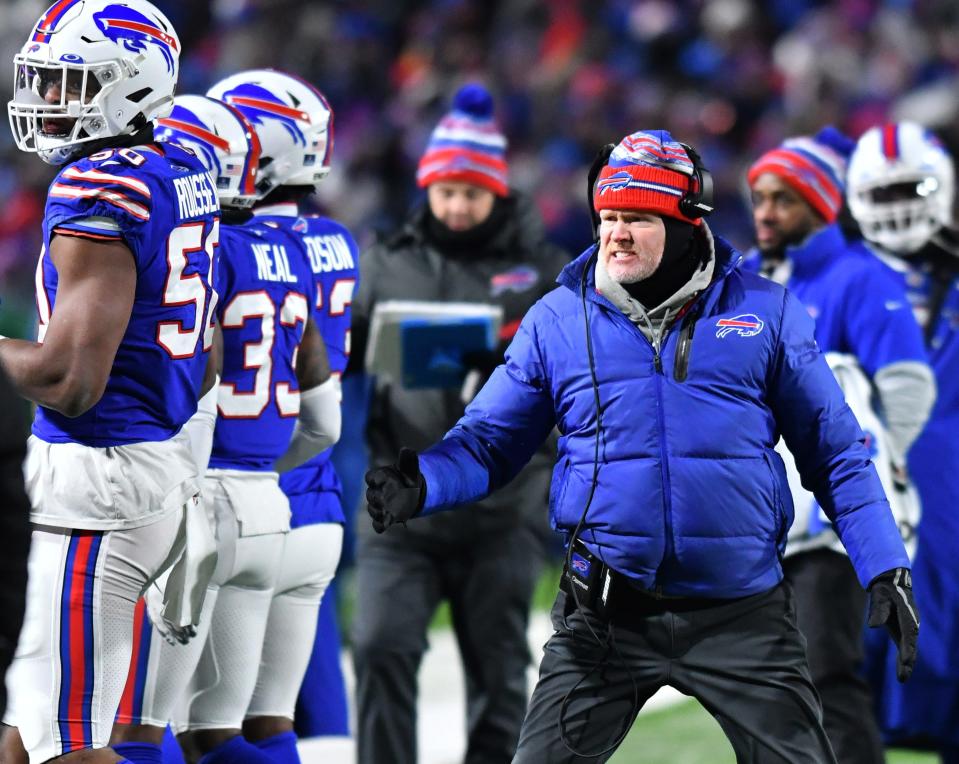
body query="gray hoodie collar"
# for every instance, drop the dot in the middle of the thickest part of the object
(661, 315)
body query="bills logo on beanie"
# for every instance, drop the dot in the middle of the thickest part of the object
(813, 166)
(648, 171)
(467, 145)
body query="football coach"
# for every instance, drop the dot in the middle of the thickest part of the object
(670, 373)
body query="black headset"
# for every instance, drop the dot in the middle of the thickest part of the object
(696, 203)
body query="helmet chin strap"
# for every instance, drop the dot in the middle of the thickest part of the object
(141, 132)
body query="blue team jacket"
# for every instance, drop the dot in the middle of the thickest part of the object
(691, 498)
(830, 276)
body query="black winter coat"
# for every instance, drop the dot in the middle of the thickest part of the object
(514, 269)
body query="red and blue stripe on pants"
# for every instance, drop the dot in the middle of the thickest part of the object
(131, 703)
(77, 647)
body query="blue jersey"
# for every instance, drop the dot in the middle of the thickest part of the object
(858, 304)
(267, 293)
(161, 203)
(934, 462)
(314, 488)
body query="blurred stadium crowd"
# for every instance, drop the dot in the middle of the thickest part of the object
(732, 77)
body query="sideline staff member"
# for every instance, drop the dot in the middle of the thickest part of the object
(473, 240)
(668, 409)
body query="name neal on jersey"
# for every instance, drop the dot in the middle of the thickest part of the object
(272, 263)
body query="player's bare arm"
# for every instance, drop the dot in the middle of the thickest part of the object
(312, 364)
(319, 421)
(68, 370)
(214, 364)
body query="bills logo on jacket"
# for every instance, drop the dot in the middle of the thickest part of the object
(580, 564)
(518, 279)
(746, 325)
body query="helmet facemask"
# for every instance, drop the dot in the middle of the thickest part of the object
(91, 72)
(54, 128)
(900, 216)
(900, 186)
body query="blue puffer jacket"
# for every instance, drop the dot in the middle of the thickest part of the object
(691, 498)
(831, 276)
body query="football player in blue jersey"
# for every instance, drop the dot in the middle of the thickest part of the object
(126, 305)
(873, 344)
(901, 189)
(275, 383)
(295, 125)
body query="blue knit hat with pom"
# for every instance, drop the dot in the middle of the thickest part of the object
(467, 145)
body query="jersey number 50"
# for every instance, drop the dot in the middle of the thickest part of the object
(183, 241)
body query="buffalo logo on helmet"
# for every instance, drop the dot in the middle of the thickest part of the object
(182, 125)
(134, 31)
(745, 325)
(259, 105)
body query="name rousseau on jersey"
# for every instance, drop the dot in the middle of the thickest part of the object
(196, 195)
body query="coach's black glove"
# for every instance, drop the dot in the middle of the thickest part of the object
(891, 603)
(395, 494)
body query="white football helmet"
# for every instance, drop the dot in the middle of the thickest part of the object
(92, 69)
(293, 120)
(900, 186)
(224, 141)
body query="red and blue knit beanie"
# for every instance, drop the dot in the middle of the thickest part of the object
(648, 171)
(467, 145)
(814, 167)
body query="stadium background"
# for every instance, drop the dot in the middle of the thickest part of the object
(731, 77)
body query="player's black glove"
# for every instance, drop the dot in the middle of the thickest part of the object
(891, 604)
(396, 493)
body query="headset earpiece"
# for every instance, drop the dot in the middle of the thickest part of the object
(602, 157)
(698, 201)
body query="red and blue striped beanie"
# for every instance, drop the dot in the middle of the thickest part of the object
(648, 171)
(815, 167)
(467, 145)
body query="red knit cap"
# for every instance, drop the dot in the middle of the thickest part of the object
(814, 167)
(467, 145)
(648, 171)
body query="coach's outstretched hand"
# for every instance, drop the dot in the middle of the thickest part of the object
(395, 494)
(891, 604)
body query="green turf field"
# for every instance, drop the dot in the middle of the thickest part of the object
(686, 734)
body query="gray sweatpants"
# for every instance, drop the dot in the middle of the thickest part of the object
(744, 660)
